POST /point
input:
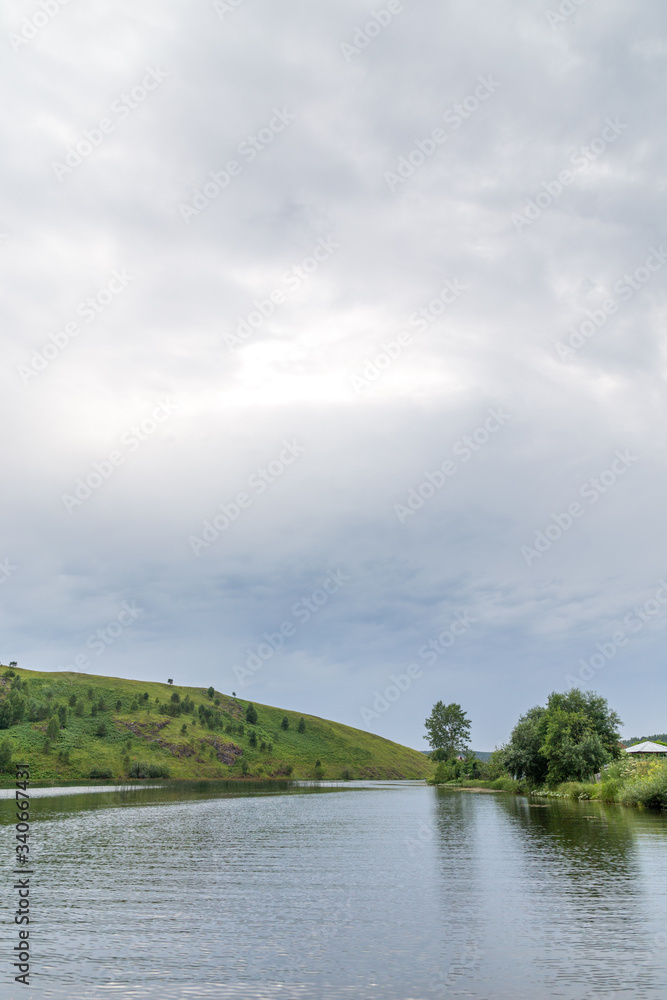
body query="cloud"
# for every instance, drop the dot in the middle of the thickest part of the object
(223, 81)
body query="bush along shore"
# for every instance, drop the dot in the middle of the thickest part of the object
(71, 726)
(556, 751)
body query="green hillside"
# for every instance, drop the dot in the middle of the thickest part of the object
(70, 726)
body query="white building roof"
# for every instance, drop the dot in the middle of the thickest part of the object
(646, 747)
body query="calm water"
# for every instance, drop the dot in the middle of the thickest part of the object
(394, 891)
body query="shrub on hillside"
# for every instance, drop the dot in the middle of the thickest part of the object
(301, 728)
(285, 723)
(100, 773)
(6, 755)
(251, 714)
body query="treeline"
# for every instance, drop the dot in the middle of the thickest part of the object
(571, 738)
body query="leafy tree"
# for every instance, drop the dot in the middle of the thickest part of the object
(53, 728)
(251, 714)
(101, 729)
(134, 706)
(79, 708)
(285, 723)
(6, 755)
(102, 705)
(448, 729)
(170, 680)
(210, 692)
(145, 695)
(568, 740)
(574, 751)
(301, 728)
(72, 700)
(5, 714)
(253, 738)
(523, 756)
(176, 697)
(62, 715)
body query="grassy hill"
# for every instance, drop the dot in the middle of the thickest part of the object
(72, 726)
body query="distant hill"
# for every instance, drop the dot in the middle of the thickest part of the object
(71, 726)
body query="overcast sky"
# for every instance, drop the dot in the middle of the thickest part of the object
(265, 269)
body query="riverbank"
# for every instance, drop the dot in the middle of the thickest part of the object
(629, 782)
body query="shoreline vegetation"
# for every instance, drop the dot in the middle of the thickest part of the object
(82, 727)
(568, 749)
(628, 782)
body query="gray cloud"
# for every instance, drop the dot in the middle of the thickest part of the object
(163, 336)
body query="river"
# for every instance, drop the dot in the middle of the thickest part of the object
(364, 891)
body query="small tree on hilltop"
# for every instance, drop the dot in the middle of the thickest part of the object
(448, 729)
(251, 714)
(302, 725)
(210, 692)
(285, 723)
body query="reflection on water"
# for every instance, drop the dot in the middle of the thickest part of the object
(370, 891)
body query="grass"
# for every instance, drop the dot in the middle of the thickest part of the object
(148, 735)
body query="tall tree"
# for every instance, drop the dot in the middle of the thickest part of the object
(569, 739)
(448, 729)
